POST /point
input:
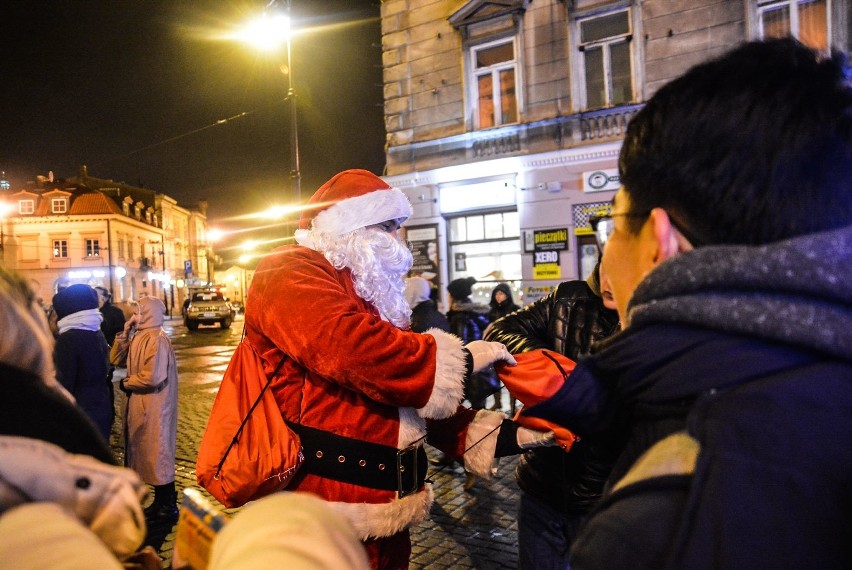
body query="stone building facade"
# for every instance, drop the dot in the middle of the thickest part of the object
(504, 118)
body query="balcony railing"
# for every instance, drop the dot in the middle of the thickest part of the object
(606, 123)
(585, 128)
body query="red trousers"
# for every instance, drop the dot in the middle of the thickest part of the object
(390, 552)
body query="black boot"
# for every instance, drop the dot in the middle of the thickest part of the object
(164, 508)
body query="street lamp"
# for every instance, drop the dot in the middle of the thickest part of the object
(268, 33)
(5, 209)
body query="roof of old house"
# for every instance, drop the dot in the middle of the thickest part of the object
(93, 203)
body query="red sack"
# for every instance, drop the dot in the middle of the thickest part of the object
(247, 451)
(539, 375)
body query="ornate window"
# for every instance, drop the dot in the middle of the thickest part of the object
(492, 35)
(493, 79)
(606, 59)
(803, 19)
(818, 24)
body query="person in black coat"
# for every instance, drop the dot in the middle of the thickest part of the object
(558, 489)
(502, 303)
(113, 322)
(424, 312)
(468, 321)
(82, 354)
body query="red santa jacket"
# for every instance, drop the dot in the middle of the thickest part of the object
(351, 373)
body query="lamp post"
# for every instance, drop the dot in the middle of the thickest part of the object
(268, 33)
(295, 173)
(4, 210)
(244, 260)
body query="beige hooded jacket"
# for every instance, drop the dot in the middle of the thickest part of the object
(151, 418)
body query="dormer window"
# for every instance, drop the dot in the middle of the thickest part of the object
(26, 206)
(58, 205)
(126, 208)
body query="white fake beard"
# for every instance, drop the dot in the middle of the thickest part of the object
(379, 262)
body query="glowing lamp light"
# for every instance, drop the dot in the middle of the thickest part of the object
(266, 33)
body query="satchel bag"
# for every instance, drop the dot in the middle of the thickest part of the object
(247, 451)
(118, 353)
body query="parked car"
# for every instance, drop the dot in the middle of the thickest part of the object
(208, 308)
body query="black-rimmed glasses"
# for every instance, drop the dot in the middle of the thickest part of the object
(604, 225)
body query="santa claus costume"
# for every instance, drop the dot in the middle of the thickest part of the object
(357, 385)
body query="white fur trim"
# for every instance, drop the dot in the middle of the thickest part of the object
(412, 427)
(481, 442)
(362, 211)
(450, 368)
(386, 519)
(306, 238)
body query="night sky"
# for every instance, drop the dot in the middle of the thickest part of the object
(134, 90)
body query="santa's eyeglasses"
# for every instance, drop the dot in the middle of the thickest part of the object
(388, 226)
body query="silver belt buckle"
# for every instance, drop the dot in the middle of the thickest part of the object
(406, 459)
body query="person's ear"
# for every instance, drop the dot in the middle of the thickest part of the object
(666, 236)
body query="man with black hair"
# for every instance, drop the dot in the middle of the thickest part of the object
(728, 250)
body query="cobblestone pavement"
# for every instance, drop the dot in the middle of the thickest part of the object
(466, 529)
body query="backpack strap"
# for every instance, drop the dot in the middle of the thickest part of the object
(676, 454)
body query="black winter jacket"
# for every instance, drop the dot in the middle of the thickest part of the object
(747, 351)
(426, 316)
(82, 363)
(567, 321)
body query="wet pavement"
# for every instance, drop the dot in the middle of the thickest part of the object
(466, 529)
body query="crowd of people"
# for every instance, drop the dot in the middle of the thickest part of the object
(710, 404)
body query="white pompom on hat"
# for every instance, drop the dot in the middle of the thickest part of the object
(352, 199)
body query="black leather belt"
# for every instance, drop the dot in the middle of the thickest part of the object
(362, 463)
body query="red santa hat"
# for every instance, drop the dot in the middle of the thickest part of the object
(352, 199)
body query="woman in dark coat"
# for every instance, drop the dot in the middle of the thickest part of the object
(501, 304)
(82, 354)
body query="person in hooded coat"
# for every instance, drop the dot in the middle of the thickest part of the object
(82, 354)
(151, 412)
(424, 313)
(502, 303)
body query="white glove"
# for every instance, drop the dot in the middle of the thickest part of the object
(528, 438)
(485, 353)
